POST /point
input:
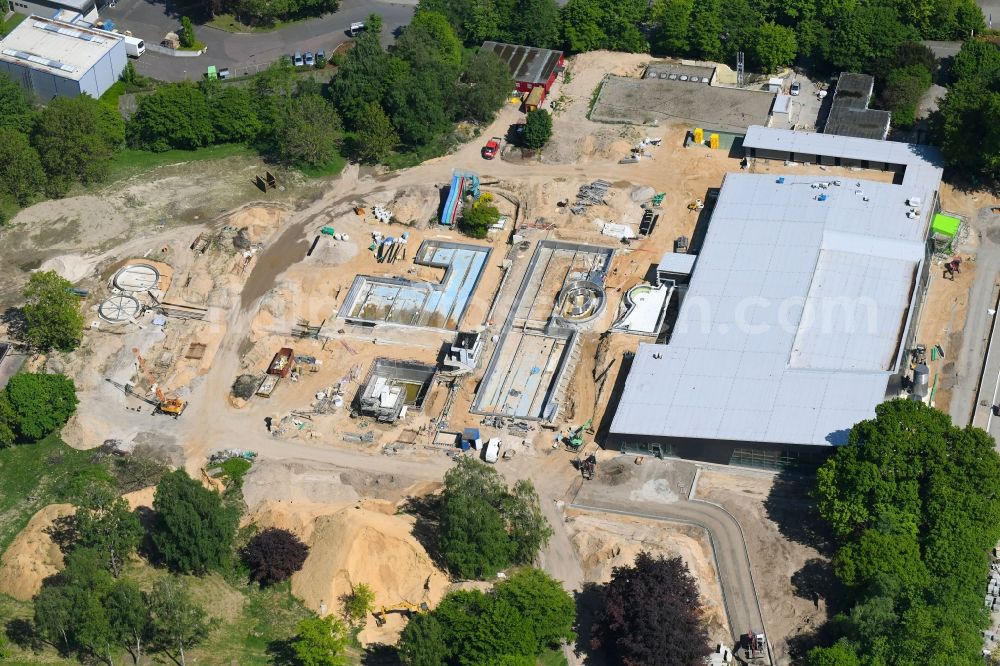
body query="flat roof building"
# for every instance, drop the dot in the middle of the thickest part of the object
(51, 58)
(849, 112)
(530, 66)
(87, 9)
(798, 315)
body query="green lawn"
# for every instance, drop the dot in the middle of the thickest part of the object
(130, 162)
(229, 23)
(111, 95)
(33, 476)
(7, 26)
(552, 658)
(332, 169)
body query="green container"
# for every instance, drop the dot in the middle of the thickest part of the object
(327, 230)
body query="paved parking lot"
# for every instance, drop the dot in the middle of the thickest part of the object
(150, 20)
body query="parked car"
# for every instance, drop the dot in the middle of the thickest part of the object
(310, 59)
(490, 149)
(297, 59)
(356, 28)
(796, 87)
(321, 58)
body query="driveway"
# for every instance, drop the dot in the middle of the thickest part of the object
(976, 340)
(10, 363)
(150, 20)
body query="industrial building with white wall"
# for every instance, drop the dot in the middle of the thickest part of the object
(801, 309)
(53, 58)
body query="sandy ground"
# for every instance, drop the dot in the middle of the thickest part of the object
(606, 542)
(777, 560)
(32, 556)
(309, 478)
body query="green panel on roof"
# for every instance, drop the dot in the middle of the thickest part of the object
(945, 224)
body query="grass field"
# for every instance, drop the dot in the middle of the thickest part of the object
(33, 476)
(552, 658)
(130, 162)
(7, 26)
(229, 23)
(332, 169)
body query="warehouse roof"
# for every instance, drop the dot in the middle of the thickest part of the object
(793, 322)
(849, 113)
(64, 49)
(527, 63)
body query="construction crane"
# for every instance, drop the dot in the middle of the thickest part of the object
(170, 406)
(576, 439)
(403, 607)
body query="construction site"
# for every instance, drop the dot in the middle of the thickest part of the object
(349, 340)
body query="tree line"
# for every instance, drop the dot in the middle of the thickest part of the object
(913, 503)
(826, 35)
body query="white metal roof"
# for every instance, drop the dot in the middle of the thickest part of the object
(64, 49)
(782, 104)
(677, 262)
(766, 348)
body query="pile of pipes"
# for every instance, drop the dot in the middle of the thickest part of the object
(590, 195)
(388, 248)
(382, 214)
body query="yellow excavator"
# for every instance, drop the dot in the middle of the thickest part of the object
(403, 607)
(170, 406)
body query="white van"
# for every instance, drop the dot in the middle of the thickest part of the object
(492, 450)
(134, 46)
(356, 28)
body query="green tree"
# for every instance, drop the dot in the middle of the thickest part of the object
(706, 28)
(536, 23)
(52, 317)
(582, 26)
(839, 654)
(417, 109)
(106, 524)
(977, 61)
(774, 46)
(543, 602)
(18, 111)
(478, 515)
(429, 38)
(537, 129)
(484, 87)
(358, 604)
(21, 173)
(193, 531)
(128, 614)
(8, 421)
(175, 115)
(866, 34)
(364, 77)
(41, 403)
(308, 133)
(233, 114)
(423, 642)
(375, 137)
(320, 641)
(177, 622)
(529, 528)
(75, 138)
(902, 91)
(672, 18)
(373, 24)
(187, 35)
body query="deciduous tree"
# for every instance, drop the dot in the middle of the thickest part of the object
(484, 87)
(105, 523)
(774, 46)
(19, 113)
(375, 137)
(537, 129)
(41, 403)
(273, 555)
(21, 173)
(358, 604)
(652, 614)
(75, 138)
(176, 115)
(308, 132)
(320, 641)
(178, 623)
(193, 531)
(52, 317)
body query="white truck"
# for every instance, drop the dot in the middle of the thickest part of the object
(492, 453)
(134, 46)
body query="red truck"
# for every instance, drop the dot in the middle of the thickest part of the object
(491, 148)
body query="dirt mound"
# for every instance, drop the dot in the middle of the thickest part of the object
(142, 497)
(32, 556)
(361, 545)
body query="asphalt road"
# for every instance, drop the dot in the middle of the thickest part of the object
(150, 20)
(976, 343)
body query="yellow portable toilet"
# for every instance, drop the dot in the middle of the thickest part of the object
(699, 135)
(713, 141)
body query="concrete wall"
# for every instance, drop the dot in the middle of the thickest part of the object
(717, 451)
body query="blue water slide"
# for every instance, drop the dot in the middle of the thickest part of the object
(454, 198)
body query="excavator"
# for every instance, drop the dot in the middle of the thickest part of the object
(161, 405)
(403, 607)
(575, 440)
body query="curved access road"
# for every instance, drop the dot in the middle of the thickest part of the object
(732, 561)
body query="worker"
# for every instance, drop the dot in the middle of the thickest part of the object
(996, 410)
(267, 423)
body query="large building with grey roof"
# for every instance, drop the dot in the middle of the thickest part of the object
(800, 309)
(51, 57)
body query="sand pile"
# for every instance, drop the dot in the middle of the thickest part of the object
(143, 497)
(362, 545)
(73, 267)
(32, 556)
